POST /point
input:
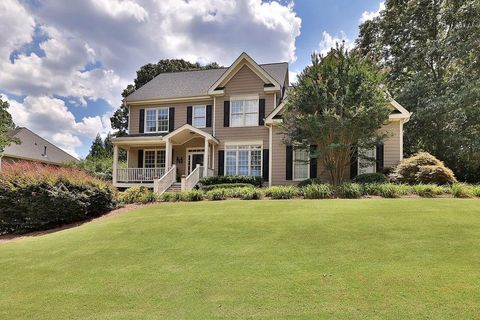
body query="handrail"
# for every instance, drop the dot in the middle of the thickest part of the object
(189, 182)
(139, 174)
(161, 185)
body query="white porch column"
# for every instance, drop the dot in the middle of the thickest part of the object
(115, 163)
(213, 158)
(270, 154)
(205, 158)
(168, 155)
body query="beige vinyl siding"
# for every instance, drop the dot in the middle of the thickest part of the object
(244, 82)
(392, 145)
(180, 114)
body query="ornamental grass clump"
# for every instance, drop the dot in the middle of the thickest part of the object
(282, 192)
(462, 190)
(38, 197)
(138, 194)
(430, 190)
(191, 196)
(349, 191)
(317, 191)
(251, 194)
(216, 194)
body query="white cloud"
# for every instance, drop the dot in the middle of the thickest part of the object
(292, 76)
(51, 119)
(17, 27)
(114, 38)
(369, 15)
(329, 41)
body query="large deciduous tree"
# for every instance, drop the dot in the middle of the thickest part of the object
(337, 104)
(146, 73)
(432, 51)
(6, 125)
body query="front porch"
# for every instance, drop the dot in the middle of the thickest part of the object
(184, 155)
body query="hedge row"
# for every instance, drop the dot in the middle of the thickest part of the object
(37, 197)
(312, 191)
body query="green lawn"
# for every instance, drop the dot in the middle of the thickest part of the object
(343, 259)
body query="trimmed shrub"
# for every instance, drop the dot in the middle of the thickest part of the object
(461, 190)
(282, 192)
(225, 186)
(169, 197)
(137, 194)
(216, 194)
(317, 191)
(251, 194)
(189, 196)
(349, 191)
(371, 178)
(38, 197)
(423, 168)
(255, 181)
(309, 182)
(429, 190)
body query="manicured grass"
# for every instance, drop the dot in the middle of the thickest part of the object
(342, 259)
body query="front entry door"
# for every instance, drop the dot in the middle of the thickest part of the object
(194, 158)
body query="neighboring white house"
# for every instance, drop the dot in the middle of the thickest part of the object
(33, 148)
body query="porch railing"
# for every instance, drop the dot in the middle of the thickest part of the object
(190, 181)
(161, 185)
(139, 174)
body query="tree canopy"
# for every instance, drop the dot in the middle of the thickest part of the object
(6, 125)
(431, 49)
(337, 104)
(146, 73)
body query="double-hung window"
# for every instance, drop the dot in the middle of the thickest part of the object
(156, 120)
(243, 160)
(154, 159)
(244, 111)
(199, 116)
(301, 164)
(365, 162)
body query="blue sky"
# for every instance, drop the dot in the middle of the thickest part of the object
(65, 63)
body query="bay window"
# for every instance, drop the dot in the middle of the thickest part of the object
(156, 119)
(301, 164)
(244, 111)
(243, 160)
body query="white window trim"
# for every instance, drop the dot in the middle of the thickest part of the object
(156, 120)
(193, 115)
(293, 167)
(190, 152)
(156, 157)
(372, 164)
(243, 98)
(243, 143)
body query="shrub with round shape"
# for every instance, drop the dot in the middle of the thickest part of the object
(423, 168)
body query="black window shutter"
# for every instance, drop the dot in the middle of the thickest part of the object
(289, 163)
(208, 120)
(261, 112)
(354, 164)
(226, 113)
(189, 115)
(265, 163)
(221, 162)
(313, 163)
(380, 157)
(140, 158)
(141, 121)
(171, 119)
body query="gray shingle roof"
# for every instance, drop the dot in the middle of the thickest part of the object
(193, 83)
(33, 147)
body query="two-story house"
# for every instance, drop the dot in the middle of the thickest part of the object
(223, 122)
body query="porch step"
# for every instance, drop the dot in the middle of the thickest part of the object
(175, 187)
